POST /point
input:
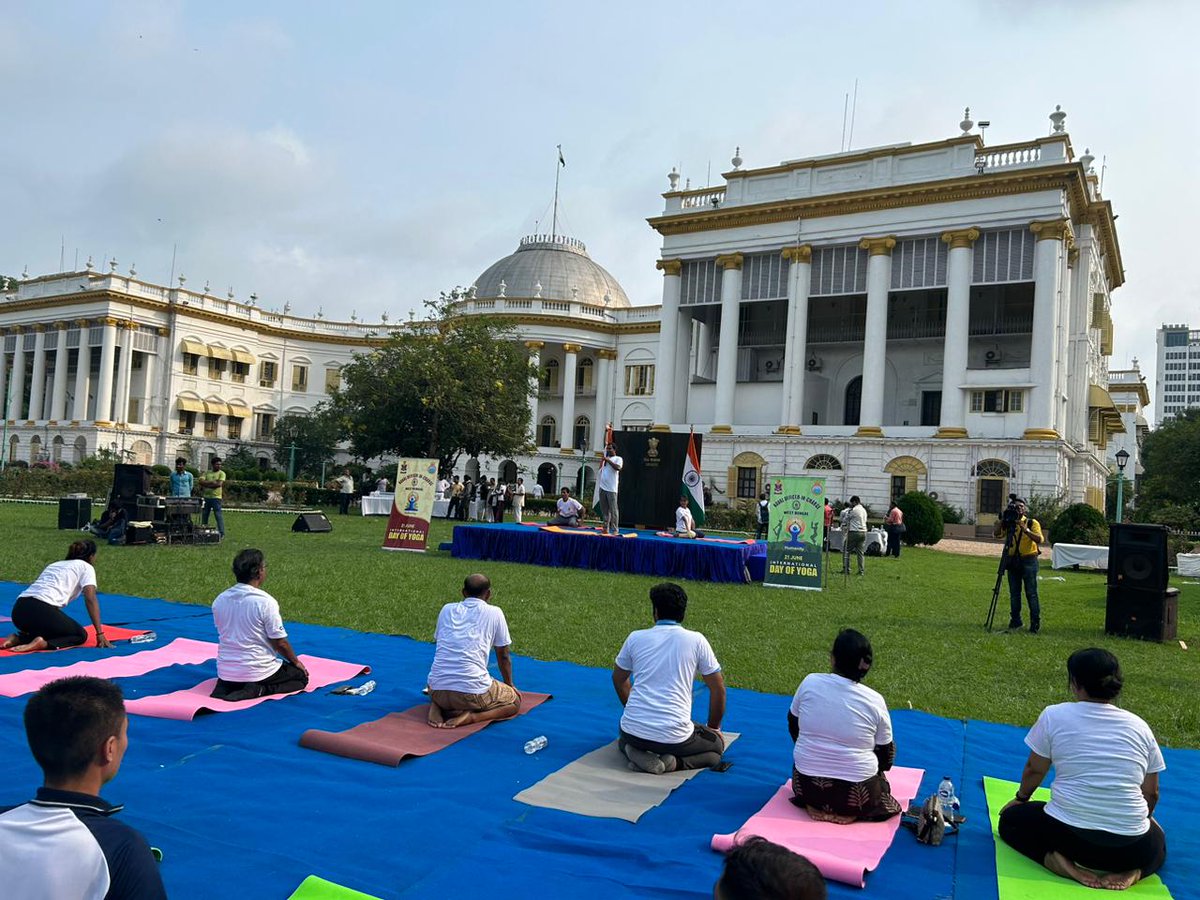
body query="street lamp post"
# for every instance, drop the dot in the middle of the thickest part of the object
(1122, 461)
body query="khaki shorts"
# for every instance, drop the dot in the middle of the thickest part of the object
(499, 694)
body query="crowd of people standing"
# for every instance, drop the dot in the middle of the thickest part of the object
(486, 499)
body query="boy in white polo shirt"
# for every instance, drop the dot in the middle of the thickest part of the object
(461, 689)
(657, 731)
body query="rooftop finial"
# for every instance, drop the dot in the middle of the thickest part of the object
(673, 178)
(1058, 118)
(966, 124)
(89, 264)
(537, 291)
(737, 158)
(1086, 161)
(112, 265)
(133, 270)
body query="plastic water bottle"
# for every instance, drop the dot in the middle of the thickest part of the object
(362, 689)
(536, 744)
(143, 638)
(946, 797)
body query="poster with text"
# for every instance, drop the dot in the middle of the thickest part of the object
(408, 524)
(796, 532)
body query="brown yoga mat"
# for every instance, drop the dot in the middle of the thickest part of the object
(397, 736)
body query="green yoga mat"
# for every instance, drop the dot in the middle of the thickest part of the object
(1020, 878)
(314, 888)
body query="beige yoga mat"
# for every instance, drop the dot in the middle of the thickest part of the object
(601, 784)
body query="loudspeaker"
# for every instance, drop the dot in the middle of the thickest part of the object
(312, 522)
(74, 512)
(1149, 615)
(1137, 557)
(138, 533)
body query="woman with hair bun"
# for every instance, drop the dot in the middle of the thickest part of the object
(38, 613)
(1098, 827)
(843, 740)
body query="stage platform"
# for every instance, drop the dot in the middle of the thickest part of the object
(645, 554)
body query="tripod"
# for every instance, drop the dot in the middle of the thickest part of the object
(1009, 542)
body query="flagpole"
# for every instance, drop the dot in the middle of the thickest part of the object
(554, 220)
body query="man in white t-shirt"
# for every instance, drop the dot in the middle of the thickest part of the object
(518, 500)
(252, 638)
(609, 481)
(653, 678)
(569, 510)
(854, 524)
(461, 689)
(345, 483)
(443, 488)
(685, 522)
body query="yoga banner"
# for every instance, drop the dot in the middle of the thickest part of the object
(795, 533)
(408, 524)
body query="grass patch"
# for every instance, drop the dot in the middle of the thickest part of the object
(924, 614)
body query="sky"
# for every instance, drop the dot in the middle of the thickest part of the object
(359, 157)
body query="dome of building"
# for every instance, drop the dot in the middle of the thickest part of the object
(553, 268)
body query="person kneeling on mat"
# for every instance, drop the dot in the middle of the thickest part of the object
(38, 613)
(657, 733)
(461, 690)
(252, 638)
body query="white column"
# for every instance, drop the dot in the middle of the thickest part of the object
(1047, 256)
(124, 371)
(683, 372)
(16, 400)
(58, 401)
(879, 282)
(83, 367)
(959, 266)
(727, 351)
(795, 350)
(668, 328)
(566, 433)
(104, 383)
(149, 367)
(3, 377)
(535, 360)
(604, 370)
(37, 380)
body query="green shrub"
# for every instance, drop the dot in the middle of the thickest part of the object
(161, 470)
(731, 518)
(1046, 508)
(922, 518)
(1080, 523)
(951, 515)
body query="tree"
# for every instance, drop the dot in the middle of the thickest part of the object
(1169, 491)
(1080, 523)
(922, 518)
(315, 437)
(438, 388)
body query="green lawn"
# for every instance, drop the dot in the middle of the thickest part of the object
(924, 613)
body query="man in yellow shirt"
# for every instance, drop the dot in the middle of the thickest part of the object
(1023, 538)
(213, 485)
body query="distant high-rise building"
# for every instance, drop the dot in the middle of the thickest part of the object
(1177, 385)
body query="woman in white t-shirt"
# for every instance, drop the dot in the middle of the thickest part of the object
(38, 613)
(1106, 764)
(843, 740)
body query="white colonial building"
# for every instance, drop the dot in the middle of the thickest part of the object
(918, 316)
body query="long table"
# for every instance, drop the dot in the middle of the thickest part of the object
(645, 554)
(1083, 556)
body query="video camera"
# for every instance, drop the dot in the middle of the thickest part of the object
(1012, 513)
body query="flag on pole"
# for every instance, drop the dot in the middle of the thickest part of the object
(596, 487)
(693, 485)
(562, 162)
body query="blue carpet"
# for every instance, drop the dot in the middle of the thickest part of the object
(238, 807)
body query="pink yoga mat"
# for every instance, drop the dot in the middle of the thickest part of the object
(188, 704)
(397, 736)
(181, 651)
(112, 632)
(843, 853)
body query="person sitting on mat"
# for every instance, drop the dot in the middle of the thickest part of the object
(761, 870)
(38, 613)
(569, 510)
(66, 842)
(843, 740)
(1106, 763)
(461, 689)
(251, 638)
(685, 522)
(657, 733)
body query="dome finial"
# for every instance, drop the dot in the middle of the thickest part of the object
(503, 288)
(537, 291)
(966, 124)
(737, 158)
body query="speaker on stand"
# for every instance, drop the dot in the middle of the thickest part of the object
(1139, 603)
(129, 483)
(312, 522)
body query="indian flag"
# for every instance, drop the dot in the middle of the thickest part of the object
(693, 486)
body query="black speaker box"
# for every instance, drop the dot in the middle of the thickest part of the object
(130, 482)
(1137, 557)
(138, 533)
(1149, 615)
(74, 512)
(312, 522)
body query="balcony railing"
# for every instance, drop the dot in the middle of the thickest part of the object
(1003, 325)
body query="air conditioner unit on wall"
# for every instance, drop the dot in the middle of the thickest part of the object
(813, 364)
(993, 356)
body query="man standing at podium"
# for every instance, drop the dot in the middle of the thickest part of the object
(182, 481)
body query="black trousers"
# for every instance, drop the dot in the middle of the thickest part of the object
(1028, 830)
(701, 751)
(34, 618)
(287, 680)
(344, 503)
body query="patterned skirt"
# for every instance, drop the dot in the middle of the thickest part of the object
(867, 801)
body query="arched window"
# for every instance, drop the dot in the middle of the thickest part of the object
(853, 406)
(823, 461)
(143, 453)
(35, 449)
(583, 375)
(905, 472)
(746, 476)
(550, 378)
(56, 452)
(991, 489)
(547, 477)
(992, 468)
(583, 433)
(80, 449)
(13, 443)
(548, 432)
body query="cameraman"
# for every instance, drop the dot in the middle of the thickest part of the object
(1022, 540)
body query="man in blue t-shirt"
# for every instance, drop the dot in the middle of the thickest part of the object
(182, 481)
(65, 842)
